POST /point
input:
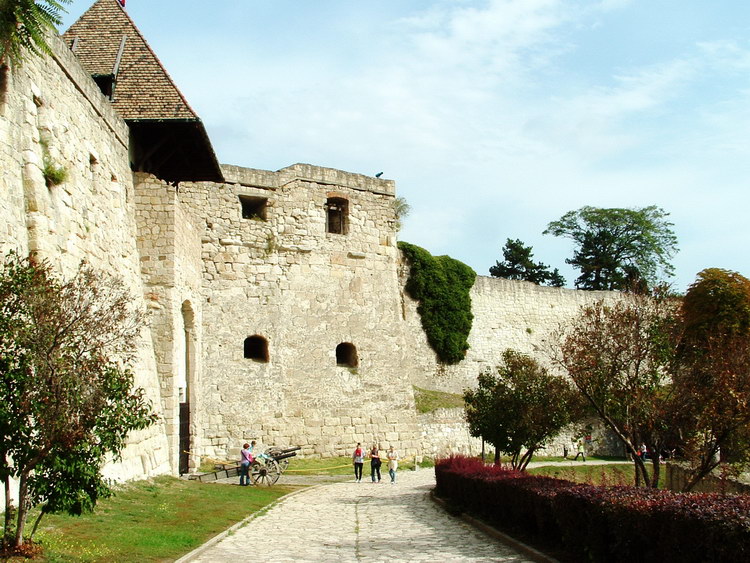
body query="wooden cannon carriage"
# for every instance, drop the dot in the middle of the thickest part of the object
(265, 469)
(269, 465)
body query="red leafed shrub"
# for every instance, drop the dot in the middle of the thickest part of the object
(602, 523)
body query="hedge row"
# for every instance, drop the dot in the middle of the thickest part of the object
(601, 523)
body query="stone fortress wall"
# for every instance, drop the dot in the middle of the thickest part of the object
(273, 284)
(51, 105)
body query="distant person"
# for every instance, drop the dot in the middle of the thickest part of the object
(392, 464)
(358, 457)
(375, 463)
(581, 451)
(246, 458)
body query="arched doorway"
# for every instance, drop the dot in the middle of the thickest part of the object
(184, 386)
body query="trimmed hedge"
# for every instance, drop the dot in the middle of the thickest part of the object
(442, 285)
(601, 523)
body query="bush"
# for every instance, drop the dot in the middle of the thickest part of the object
(601, 523)
(441, 285)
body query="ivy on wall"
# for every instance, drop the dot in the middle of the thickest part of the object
(441, 284)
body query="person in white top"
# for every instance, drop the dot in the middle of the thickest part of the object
(392, 464)
(358, 457)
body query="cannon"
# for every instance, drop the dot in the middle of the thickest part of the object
(269, 465)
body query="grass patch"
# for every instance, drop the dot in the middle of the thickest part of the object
(345, 466)
(156, 520)
(427, 400)
(619, 474)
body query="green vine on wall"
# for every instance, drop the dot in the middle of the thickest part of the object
(441, 284)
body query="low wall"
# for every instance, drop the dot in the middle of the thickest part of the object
(676, 476)
(445, 432)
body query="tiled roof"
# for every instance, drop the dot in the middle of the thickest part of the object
(169, 139)
(143, 88)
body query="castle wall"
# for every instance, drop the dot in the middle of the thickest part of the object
(52, 106)
(211, 278)
(305, 291)
(507, 314)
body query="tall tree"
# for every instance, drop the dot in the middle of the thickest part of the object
(714, 374)
(619, 355)
(66, 393)
(618, 249)
(520, 407)
(518, 264)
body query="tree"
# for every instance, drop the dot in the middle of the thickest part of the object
(519, 407)
(619, 355)
(402, 209)
(618, 249)
(23, 24)
(518, 265)
(66, 393)
(714, 372)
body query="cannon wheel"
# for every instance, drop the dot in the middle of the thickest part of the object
(265, 473)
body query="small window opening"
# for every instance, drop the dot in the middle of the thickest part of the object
(346, 355)
(256, 348)
(253, 207)
(337, 209)
(106, 83)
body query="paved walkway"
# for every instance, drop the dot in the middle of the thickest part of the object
(360, 522)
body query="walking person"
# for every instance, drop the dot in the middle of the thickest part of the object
(375, 463)
(392, 464)
(246, 458)
(358, 457)
(581, 451)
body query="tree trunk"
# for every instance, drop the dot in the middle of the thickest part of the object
(23, 507)
(8, 509)
(656, 471)
(497, 456)
(36, 523)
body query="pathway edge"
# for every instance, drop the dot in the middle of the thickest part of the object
(221, 535)
(502, 537)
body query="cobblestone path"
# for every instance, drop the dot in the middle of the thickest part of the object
(360, 522)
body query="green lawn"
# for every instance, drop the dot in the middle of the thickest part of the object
(157, 520)
(340, 465)
(619, 474)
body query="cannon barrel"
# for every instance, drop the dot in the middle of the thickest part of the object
(278, 451)
(284, 455)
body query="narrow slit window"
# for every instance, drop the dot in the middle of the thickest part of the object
(337, 210)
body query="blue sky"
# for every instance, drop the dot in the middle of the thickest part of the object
(493, 117)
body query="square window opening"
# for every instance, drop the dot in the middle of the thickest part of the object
(254, 207)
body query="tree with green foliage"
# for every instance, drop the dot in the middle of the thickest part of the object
(519, 407)
(23, 25)
(517, 264)
(618, 249)
(67, 401)
(714, 373)
(441, 285)
(402, 209)
(620, 354)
